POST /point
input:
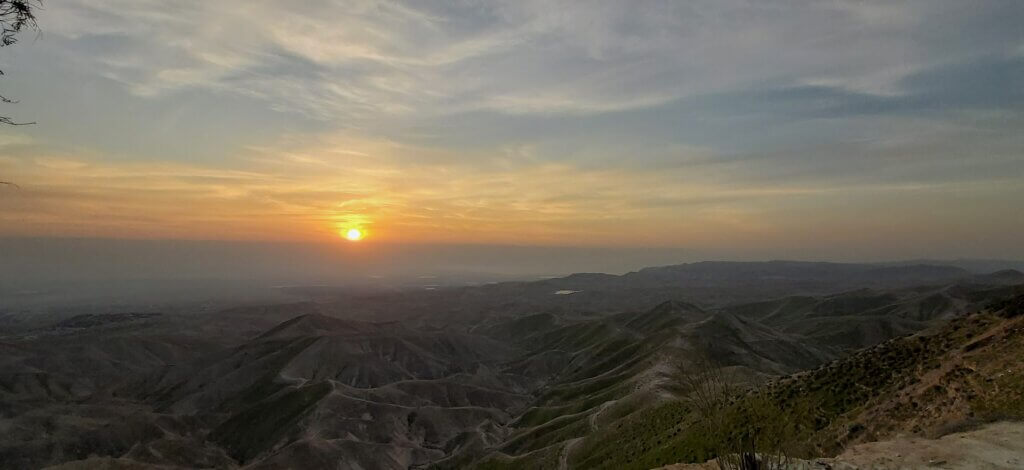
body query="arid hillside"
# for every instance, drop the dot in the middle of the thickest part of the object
(550, 374)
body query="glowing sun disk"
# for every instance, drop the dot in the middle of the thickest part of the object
(354, 234)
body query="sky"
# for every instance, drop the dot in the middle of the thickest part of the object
(825, 129)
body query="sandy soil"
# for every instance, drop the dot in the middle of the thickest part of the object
(998, 446)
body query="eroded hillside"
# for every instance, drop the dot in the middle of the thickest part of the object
(507, 376)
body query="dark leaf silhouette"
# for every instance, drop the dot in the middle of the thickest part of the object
(15, 16)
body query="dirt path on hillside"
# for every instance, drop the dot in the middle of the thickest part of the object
(563, 459)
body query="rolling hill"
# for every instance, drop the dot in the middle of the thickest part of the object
(512, 375)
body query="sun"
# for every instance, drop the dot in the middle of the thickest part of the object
(354, 235)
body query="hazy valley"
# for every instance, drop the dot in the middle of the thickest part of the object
(574, 372)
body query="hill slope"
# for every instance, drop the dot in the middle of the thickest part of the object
(960, 374)
(514, 375)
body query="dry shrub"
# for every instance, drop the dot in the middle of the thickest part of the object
(745, 428)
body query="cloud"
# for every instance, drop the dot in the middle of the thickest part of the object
(367, 60)
(714, 121)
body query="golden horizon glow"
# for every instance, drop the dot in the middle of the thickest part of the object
(640, 127)
(522, 202)
(354, 235)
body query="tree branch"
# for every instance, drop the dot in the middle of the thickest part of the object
(15, 15)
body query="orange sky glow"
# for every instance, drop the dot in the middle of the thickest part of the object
(867, 134)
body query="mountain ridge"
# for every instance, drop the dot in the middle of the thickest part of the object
(464, 378)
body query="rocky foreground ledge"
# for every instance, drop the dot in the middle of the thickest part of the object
(996, 446)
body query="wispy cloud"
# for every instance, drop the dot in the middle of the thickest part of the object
(368, 58)
(515, 121)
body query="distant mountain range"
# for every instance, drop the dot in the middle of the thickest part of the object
(572, 372)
